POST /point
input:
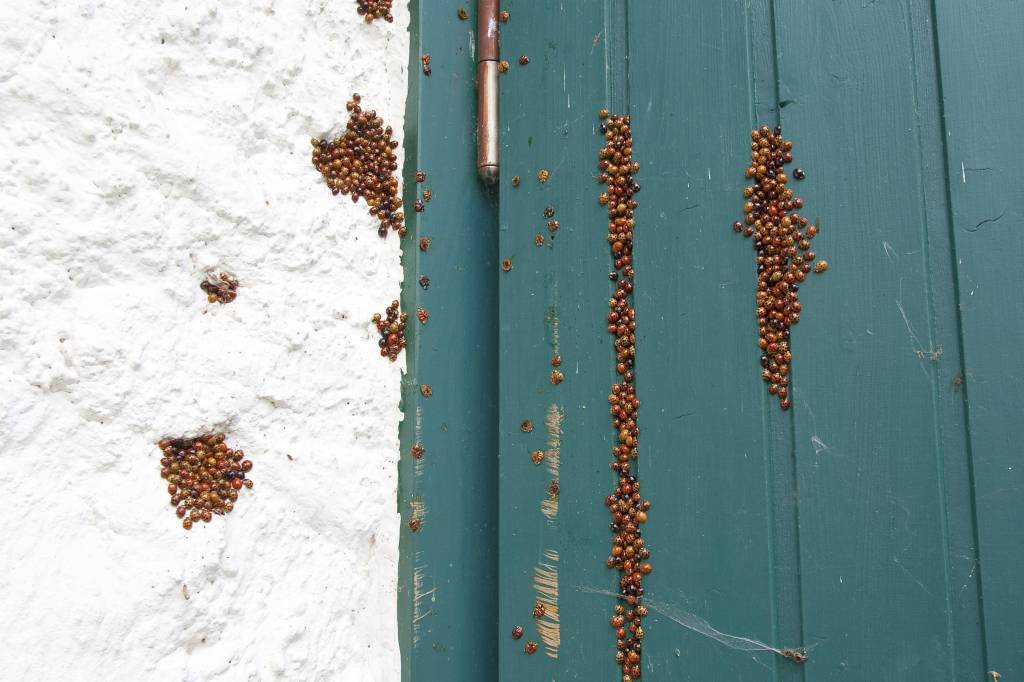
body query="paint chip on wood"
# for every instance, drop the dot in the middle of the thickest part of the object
(545, 584)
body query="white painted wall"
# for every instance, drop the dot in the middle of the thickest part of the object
(142, 144)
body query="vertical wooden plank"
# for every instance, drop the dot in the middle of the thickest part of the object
(963, 598)
(553, 301)
(876, 430)
(448, 570)
(983, 96)
(715, 452)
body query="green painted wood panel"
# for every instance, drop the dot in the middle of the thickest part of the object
(875, 522)
(876, 406)
(983, 97)
(447, 573)
(717, 452)
(554, 301)
(870, 521)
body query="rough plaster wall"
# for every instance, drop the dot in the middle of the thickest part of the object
(144, 143)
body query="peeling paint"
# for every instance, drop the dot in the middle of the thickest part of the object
(419, 579)
(553, 422)
(549, 508)
(552, 456)
(545, 584)
(552, 317)
(418, 465)
(419, 508)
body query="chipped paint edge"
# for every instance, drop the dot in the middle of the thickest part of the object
(545, 584)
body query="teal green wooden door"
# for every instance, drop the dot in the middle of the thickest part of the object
(447, 590)
(876, 523)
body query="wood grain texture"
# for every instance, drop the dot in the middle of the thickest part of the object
(881, 577)
(982, 97)
(875, 352)
(554, 300)
(448, 571)
(716, 453)
(876, 521)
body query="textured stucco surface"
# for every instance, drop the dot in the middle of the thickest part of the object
(144, 144)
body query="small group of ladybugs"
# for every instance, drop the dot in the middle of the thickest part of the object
(782, 238)
(375, 9)
(222, 289)
(391, 327)
(628, 509)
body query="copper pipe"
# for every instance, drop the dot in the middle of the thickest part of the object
(487, 89)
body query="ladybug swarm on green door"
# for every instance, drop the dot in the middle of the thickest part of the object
(782, 239)
(628, 510)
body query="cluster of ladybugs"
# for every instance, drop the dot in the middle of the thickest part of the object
(375, 9)
(391, 328)
(628, 510)
(203, 476)
(362, 163)
(222, 289)
(782, 239)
